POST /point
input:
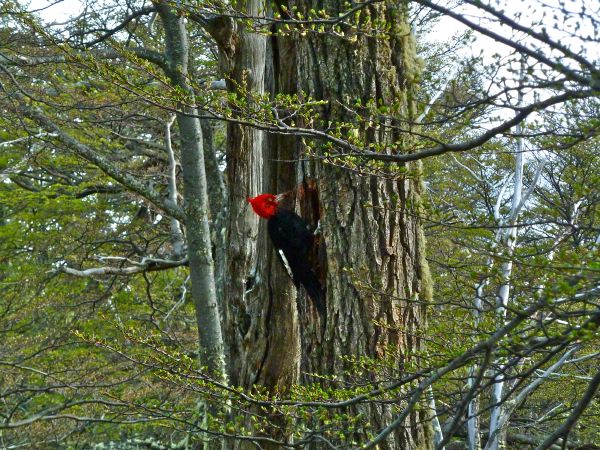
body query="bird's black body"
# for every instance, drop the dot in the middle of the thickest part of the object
(293, 237)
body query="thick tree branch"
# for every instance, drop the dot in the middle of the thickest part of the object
(144, 53)
(482, 139)
(98, 189)
(354, 151)
(101, 162)
(542, 37)
(145, 265)
(108, 33)
(592, 81)
(582, 404)
(211, 21)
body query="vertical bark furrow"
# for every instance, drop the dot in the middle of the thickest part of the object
(246, 261)
(374, 242)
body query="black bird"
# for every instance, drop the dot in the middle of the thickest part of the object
(293, 239)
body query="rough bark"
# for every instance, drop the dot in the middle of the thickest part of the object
(377, 278)
(376, 274)
(259, 323)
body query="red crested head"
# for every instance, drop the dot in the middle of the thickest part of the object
(265, 205)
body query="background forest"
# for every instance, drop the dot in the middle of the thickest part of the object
(445, 153)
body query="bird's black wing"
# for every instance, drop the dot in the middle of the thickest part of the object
(290, 233)
(293, 238)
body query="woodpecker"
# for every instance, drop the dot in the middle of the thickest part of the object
(293, 239)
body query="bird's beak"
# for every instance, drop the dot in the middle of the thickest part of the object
(280, 197)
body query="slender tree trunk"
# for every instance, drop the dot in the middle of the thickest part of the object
(473, 417)
(438, 433)
(177, 237)
(195, 197)
(217, 190)
(217, 195)
(507, 241)
(497, 439)
(473, 409)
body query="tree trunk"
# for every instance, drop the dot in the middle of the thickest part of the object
(217, 195)
(261, 324)
(377, 277)
(195, 197)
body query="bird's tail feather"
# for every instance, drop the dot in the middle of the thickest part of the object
(306, 276)
(316, 292)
